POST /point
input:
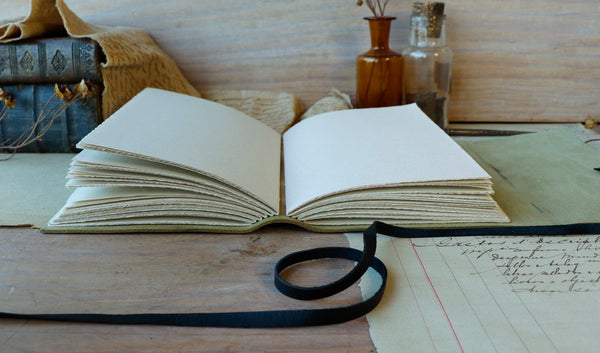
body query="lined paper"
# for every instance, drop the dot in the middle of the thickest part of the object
(488, 294)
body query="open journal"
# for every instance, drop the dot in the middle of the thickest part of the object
(172, 162)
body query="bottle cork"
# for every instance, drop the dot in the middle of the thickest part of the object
(429, 8)
(434, 11)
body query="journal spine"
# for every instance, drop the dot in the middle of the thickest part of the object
(32, 101)
(50, 60)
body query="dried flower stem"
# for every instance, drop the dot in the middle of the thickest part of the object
(47, 116)
(375, 6)
(31, 135)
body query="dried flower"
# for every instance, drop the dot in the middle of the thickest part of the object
(7, 99)
(590, 123)
(63, 92)
(83, 89)
(375, 6)
(48, 114)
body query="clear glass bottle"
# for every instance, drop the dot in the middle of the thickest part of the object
(427, 62)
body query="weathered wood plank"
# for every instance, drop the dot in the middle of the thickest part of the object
(164, 273)
(514, 60)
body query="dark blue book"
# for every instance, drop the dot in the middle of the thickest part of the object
(34, 101)
(29, 69)
(50, 60)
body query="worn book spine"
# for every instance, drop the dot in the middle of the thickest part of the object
(50, 60)
(34, 101)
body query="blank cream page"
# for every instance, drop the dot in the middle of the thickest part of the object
(196, 134)
(357, 148)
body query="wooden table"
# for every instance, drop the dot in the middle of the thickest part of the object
(49, 273)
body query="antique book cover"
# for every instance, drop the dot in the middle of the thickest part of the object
(50, 60)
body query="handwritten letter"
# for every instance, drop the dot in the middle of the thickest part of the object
(489, 294)
(538, 264)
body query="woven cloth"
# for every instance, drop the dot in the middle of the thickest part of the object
(335, 101)
(278, 110)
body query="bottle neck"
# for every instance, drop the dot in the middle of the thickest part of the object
(379, 29)
(428, 31)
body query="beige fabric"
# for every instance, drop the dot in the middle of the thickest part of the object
(336, 101)
(134, 60)
(277, 110)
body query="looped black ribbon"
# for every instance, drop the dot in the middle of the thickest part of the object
(364, 259)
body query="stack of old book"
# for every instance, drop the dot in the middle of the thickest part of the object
(29, 73)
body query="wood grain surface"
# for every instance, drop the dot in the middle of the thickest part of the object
(42, 273)
(514, 60)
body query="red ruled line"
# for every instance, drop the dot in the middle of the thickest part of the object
(437, 296)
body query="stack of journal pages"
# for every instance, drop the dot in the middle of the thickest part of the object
(172, 162)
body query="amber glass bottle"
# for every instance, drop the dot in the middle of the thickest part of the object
(427, 62)
(379, 70)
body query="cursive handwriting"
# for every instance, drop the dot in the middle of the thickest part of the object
(536, 264)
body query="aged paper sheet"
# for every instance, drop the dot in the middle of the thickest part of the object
(32, 188)
(488, 294)
(506, 294)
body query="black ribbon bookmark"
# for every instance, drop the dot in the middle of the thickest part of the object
(364, 259)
